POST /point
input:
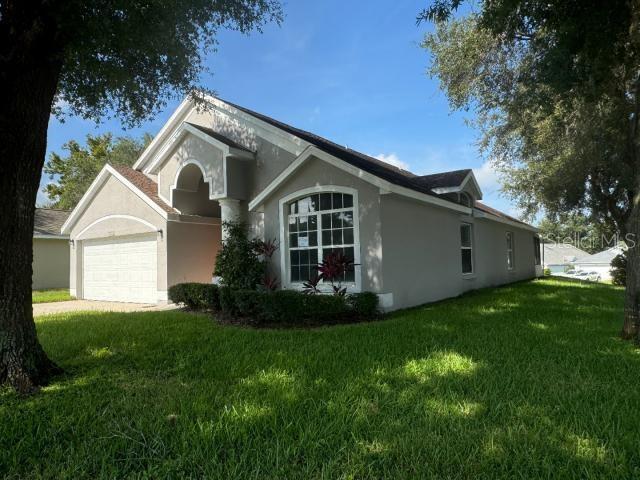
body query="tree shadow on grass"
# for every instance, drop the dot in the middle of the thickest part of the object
(527, 380)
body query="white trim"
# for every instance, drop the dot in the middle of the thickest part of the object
(195, 220)
(477, 213)
(163, 296)
(111, 217)
(511, 250)
(50, 236)
(190, 161)
(284, 251)
(313, 151)
(271, 133)
(180, 113)
(93, 189)
(177, 137)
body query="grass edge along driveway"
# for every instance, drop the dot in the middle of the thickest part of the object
(528, 381)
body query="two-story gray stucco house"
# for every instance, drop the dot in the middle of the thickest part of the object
(415, 239)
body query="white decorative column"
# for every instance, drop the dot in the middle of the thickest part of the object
(229, 212)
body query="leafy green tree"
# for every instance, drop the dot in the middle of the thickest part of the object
(74, 173)
(578, 230)
(555, 86)
(122, 57)
(619, 269)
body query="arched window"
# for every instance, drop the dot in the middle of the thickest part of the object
(316, 225)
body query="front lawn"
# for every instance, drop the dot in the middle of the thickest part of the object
(523, 381)
(46, 296)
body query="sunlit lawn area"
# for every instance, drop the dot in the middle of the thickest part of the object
(55, 295)
(522, 381)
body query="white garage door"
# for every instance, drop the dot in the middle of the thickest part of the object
(121, 269)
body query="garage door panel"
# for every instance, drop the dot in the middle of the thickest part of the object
(122, 269)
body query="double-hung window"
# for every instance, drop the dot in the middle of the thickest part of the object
(319, 224)
(510, 251)
(536, 250)
(466, 247)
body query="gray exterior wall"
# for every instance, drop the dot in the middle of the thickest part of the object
(422, 260)
(50, 263)
(410, 250)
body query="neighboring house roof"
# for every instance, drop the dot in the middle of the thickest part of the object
(219, 137)
(601, 258)
(145, 185)
(562, 253)
(48, 222)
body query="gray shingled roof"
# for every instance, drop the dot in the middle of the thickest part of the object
(48, 221)
(600, 258)
(444, 179)
(562, 253)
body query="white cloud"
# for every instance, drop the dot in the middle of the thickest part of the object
(487, 177)
(392, 159)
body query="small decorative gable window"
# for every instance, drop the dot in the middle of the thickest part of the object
(466, 247)
(510, 251)
(465, 199)
(318, 225)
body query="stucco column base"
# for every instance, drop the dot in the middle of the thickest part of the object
(230, 211)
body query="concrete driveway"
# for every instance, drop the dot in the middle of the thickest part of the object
(94, 305)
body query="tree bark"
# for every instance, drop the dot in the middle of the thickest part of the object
(30, 65)
(631, 325)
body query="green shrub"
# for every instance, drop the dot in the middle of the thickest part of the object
(619, 269)
(326, 308)
(364, 305)
(238, 262)
(227, 301)
(282, 306)
(247, 303)
(196, 296)
(546, 272)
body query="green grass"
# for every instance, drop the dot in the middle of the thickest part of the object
(526, 381)
(55, 295)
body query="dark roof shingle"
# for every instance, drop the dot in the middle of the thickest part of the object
(49, 221)
(444, 179)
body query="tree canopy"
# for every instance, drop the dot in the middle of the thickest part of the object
(555, 86)
(73, 173)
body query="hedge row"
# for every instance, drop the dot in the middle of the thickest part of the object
(196, 296)
(285, 307)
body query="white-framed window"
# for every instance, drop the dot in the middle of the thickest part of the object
(510, 251)
(466, 248)
(315, 222)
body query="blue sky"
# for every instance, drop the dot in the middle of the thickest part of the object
(350, 71)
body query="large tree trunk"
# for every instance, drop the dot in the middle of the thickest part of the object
(29, 71)
(630, 328)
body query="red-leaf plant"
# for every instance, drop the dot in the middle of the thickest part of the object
(266, 248)
(332, 269)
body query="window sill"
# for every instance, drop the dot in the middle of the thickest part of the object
(468, 276)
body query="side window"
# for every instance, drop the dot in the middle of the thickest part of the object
(510, 251)
(536, 250)
(466, 247)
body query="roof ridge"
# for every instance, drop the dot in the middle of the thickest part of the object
(286, 126)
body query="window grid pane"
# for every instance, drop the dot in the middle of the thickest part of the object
(337, 228)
